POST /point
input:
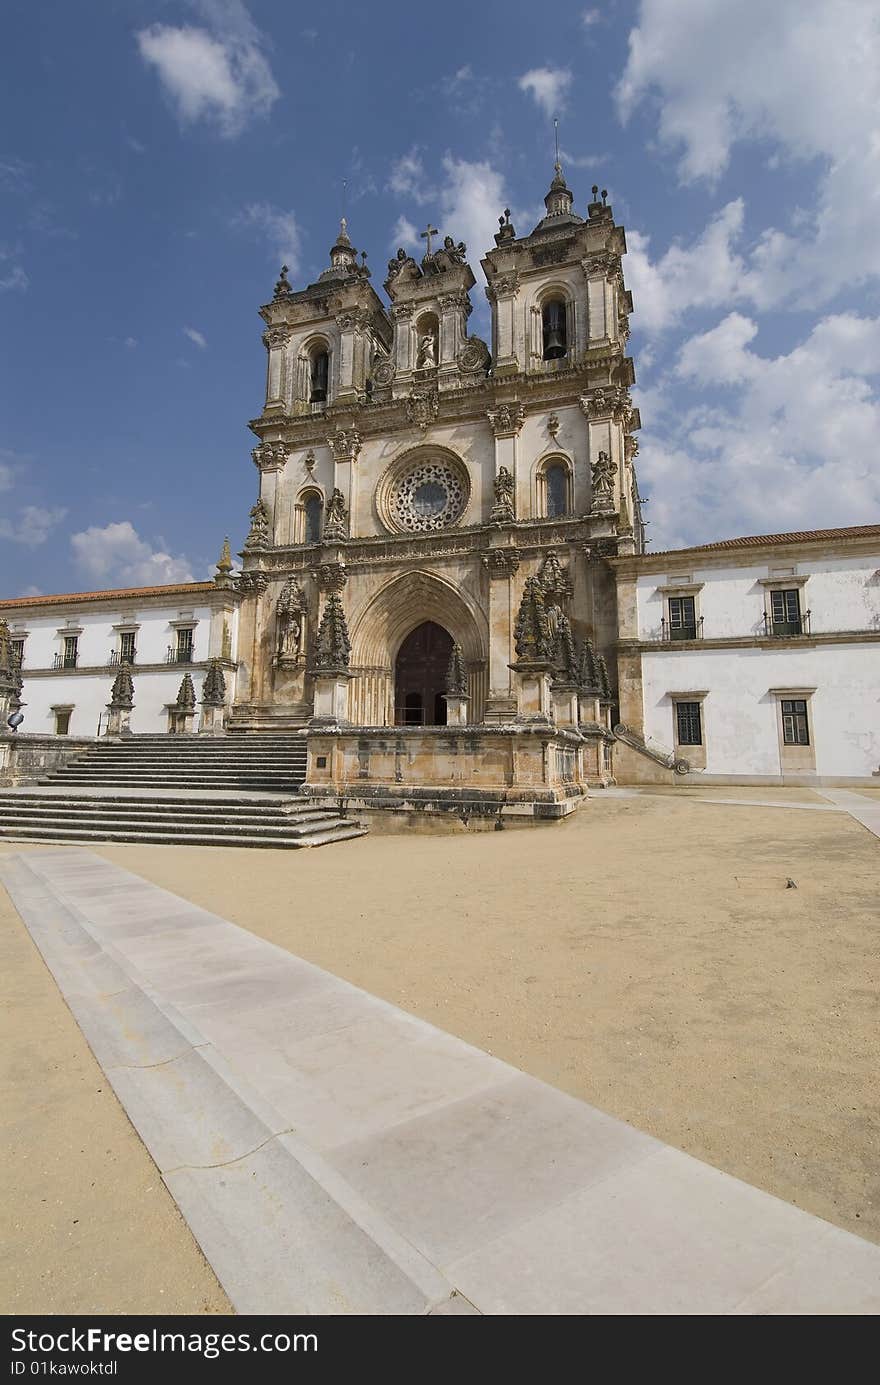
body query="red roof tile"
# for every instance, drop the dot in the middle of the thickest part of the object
(858, 531)
(176, 589)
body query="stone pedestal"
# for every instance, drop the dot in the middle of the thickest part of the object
(456, 709)
(181, 721)
(533, 696)
(564, 699)
(118, 722)
(331, 698)
(213, 720)
(589, 710)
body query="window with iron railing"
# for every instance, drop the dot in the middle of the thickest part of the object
(69, 655)
(182, 651)
(682, 622)
(785, 617)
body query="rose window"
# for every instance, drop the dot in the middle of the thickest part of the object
(431, 495)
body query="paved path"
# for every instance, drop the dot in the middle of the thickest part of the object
(865, 810)
(332, 1154)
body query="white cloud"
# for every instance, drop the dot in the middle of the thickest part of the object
(33, 527)
(116, 555)
(219, 74)
(6, 477)
(279, 229)
(708, 273)
(407, 178)
(130, 343)
(404, 234)
(802, 74)
(590, 17)
(196, 337)
(12, 276)
(779, 443)
(549, 86)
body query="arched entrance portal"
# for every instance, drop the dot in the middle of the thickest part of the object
(420, 676)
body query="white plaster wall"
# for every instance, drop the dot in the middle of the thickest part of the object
(739, 713)
(840, 594)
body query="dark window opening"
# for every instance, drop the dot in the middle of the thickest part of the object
(688, 723)
(682, 618)
(795, 728)
(62, 723)
(126, 647)
(71, 651)
(555, 330)
(320, 373)
(556, 480)
(785, 612)
(313, 508)
(184, 646)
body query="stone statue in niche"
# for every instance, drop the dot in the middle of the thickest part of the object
(503, 511)
(603, 482)
(291, 613)
(426, 357)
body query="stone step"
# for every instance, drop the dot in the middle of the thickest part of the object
(134, 776)
(343, 830)
(167, 822)
(174, 761)
(208, 802)
(52, 810)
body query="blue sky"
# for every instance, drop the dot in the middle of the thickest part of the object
(159, 158)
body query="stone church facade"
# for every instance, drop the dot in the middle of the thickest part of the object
(424, 498)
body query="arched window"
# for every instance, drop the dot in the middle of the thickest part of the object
(554, 488)
(555, 329)
(319, 375)
(313, 508)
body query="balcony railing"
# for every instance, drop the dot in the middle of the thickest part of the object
(64, 660)
(117, 658)
(784, 629)
(179, 656)
(678, 633)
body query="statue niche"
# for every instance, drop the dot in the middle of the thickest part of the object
(290, 618)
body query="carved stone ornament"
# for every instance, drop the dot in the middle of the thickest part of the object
(608, 401)
(269, 456)
(603, 470)
(532, 634)
(630, 447)
(253, 582)
(290, 613)
(504, 508)
(588, 669)
(506, 420)
(282, 287)
(275, 337)
(332, 644)
(383, 372)
(186, 695)
(553, 426)
(473, 357)
(335, 517)
(602, 263)
(422, 407)
(555, 581)
(564, 656)
(309, 461)
(345, 444)
(501, 562)
(214, 686)
(456, 674)
(403, 267)
(258, 537)
(330, 577)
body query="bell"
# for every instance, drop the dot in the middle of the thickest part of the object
(554, 346)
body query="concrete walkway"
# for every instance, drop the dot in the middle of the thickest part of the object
(332, 1154)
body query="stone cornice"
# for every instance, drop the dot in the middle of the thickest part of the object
(765, 642)
(105, 671)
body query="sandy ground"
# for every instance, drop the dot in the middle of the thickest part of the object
(88, 1225)
(645, 955)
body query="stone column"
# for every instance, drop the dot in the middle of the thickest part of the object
(270, 459)
(275, 340)
(502, 295)
(345, 444)
(501, 565)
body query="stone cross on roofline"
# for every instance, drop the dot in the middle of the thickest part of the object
(426, 235)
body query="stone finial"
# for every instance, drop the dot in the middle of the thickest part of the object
(456, 674)
(555, 581)
(332, 644)
(224, 565)
(605, 693)
(214, 686)
(532, 630)
(282, 287)
(6, 660)
(505, 230)
(588, 671)
(186, 695)
(122, 692)
(565, 662)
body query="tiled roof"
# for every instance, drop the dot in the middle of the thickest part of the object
(121, 593)
(858, 531)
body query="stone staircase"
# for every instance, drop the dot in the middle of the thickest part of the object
(177, 790)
